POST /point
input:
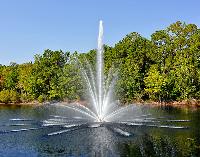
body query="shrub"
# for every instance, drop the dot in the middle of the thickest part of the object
(4, 96)
(41, 98)
(24, 97)
(14, 97)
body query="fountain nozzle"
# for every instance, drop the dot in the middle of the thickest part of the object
(100, 119)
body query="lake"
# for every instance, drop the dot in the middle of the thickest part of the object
(50, 131)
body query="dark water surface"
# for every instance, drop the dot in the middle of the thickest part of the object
(28, 131)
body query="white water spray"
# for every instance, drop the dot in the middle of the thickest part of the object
(101, 107)
(100, 76)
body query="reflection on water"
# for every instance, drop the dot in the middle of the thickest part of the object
(149, 145)
(48, 131)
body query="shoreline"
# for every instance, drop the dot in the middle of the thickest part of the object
(27, 104)
(190, 104)
(193, 104)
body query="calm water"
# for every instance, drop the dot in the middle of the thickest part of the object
(162, 132)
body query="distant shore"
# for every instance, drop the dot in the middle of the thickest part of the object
(178, 104)
(22, 104)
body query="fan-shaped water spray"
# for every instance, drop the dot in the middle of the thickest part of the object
(99, 89)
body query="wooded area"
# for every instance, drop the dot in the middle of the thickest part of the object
(165, 67)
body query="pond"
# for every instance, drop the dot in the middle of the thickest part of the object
(159, 131)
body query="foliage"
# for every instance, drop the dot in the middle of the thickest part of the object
(41, 98)
(154, 82)
(5, 96)
(132, 55)
(47, 69)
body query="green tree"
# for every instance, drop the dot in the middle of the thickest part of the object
(132, 54)
(47, 69)
(154, 83)
(24, 81)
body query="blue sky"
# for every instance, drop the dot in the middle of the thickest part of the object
(27, 27)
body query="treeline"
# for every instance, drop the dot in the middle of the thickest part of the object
(163, 68)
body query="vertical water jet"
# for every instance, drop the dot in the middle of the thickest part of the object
(100, 74)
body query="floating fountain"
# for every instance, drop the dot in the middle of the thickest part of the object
(100, 108)
(101, 111)
(99, 92)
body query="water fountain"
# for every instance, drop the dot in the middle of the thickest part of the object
(63, 129)
(102, 111)
(99, 92)
(100, 108)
